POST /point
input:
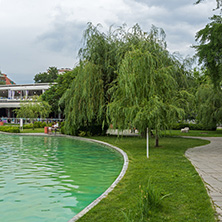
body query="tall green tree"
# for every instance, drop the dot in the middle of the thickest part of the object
(209, 93)
(55, 92)
(209, 106)
(209, 49)
(145, 94)
(84, 101)
(101, 53)
(33, 109)
(101, 57)
(46, 77)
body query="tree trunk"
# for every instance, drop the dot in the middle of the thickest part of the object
(157, 139)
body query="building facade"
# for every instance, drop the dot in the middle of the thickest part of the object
(12, 95)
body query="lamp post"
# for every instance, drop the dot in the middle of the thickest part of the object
(147, 143)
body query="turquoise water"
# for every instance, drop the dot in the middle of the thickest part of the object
(44, 179)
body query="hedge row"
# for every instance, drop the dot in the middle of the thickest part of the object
(192, 126)
(9, 129)
(36, 125)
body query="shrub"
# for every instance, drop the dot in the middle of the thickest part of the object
(14, 130)
(43, 124)
(82, 133)
(150, 200)
(93, 130)
(10, 129)
(62, 130)
(28, 126)
(61, 124)
(49, 124)
(192, 126)
(5, 128)
(37, 125)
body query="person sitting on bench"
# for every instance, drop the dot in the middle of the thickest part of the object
(55, 127)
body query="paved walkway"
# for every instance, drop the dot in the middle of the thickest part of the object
(208, 162)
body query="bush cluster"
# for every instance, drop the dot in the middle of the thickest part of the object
(92, 130)
(36, 125)
(192, 126)
(10, 129)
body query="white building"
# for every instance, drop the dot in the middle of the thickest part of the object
(12, 95)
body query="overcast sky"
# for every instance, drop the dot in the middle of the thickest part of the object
(37, 34)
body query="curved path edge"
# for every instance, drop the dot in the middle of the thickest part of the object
(207, 161)
(103, 195)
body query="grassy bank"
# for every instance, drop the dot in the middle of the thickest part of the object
(36, 130)
(169, 172)
(201, 133)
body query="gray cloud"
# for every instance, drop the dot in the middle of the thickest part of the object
(63, 37)
(35, 37)
(170, 4)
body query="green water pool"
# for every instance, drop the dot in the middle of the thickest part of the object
(44, 179)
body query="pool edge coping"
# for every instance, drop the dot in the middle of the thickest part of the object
(103, 195)
(113, 185)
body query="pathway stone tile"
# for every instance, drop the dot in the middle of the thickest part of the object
(208, 162)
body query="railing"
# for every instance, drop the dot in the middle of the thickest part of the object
(10, 101)
(16, 99)
(29, 120)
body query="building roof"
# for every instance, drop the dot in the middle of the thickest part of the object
(63, 70)
(7, 81)
(34, 86)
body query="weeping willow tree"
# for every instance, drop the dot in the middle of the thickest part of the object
(84, 101)
(105, 56)
(209, 106)
(146, 93)
(209, 52)
(87, 99)
(33, 109)
(209, 49)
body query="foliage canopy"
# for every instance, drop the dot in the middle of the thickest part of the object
(55, 92)
(209, 49)
(146, 93)
(120, 67)
(49, 76)
(33, 109)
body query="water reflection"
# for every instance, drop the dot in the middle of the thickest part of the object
(43, 178)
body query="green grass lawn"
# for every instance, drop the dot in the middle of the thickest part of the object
(169, 172)
(36, 130)
(203, 133)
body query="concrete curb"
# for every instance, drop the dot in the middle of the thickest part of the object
(102, 196)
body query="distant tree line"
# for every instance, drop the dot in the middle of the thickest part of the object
(47, 77)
